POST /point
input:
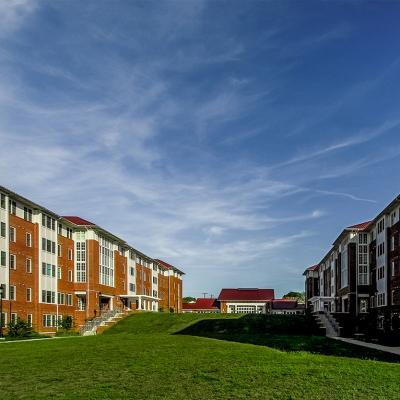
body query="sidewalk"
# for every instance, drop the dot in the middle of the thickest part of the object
(38, 339)
(387, 349)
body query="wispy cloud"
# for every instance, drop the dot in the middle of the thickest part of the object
(140, 119)
(352, 140)
(13, 13)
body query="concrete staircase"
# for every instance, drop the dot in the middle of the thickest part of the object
(327, 321)
(100, 324)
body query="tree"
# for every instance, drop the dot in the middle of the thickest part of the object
(299, 296)
(188, 299)
(66, 323)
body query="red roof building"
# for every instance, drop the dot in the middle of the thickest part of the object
(202, 305)
(287, 306)
(246, 294)
(246, 300)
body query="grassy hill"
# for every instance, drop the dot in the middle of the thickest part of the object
(161, 323)
(140, 359)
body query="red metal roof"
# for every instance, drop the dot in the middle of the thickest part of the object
(78, 220)
(165, 264)
(202, 304)
(361, 227)
(283, 304)
(246, 294)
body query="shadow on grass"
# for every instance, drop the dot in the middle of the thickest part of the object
(285, 333)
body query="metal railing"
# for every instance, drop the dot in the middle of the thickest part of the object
(97, 321)
(333, 322)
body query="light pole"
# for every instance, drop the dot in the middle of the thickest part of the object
(1, 310)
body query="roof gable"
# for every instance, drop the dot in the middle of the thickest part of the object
(246, 294)
(78, 220)
(202, 304)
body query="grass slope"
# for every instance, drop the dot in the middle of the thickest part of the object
(139, 359)
(142, 323)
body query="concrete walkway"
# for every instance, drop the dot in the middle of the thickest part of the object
(38, 339)
(387, 349)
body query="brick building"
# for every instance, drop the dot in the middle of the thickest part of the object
(358, 280)
(53, 266)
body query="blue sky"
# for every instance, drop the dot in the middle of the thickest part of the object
(233, 139)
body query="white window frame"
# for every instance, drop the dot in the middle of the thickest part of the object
(13, 262)
(13, 234)
(28, 265)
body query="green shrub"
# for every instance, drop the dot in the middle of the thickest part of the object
(20, 329)
(66, 323)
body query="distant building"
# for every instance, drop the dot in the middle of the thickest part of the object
(246, 300)
(287, 306)
(202, 306)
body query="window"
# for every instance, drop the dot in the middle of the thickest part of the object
(28, 240)
(81, 303)
(48, 222)
(29, 319)
(27, 214)
(3, 230)
(393, 217)
(60, 298)
(132, 271)
(59, 229)
(131, 287)
(69, 299)
(13, 261)
(28, 294)
(3, 256)
(13, 234)
(59, 250)
(70, 278)
(106, 258)
(344, 269)
(3, 201)
(381, 272)
(381, 299)
(49, 320)
(381, 249)
(81, 261)
(154, 280)
(49, 246)
(381, 225)
(28, 264)
(13, 293)
(48, 270)
(48, 297)
(3, 319)
(246, 309)
(14, 318)
(363, 275)
(4, 286)
(59, 273)
(69, 233)
(155, 293)
(13, 207)
(70, 255)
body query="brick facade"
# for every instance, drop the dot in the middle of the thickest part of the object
(52, 267)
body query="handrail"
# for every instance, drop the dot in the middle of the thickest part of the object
(97, 321)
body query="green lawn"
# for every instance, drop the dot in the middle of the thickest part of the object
(139, 358)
